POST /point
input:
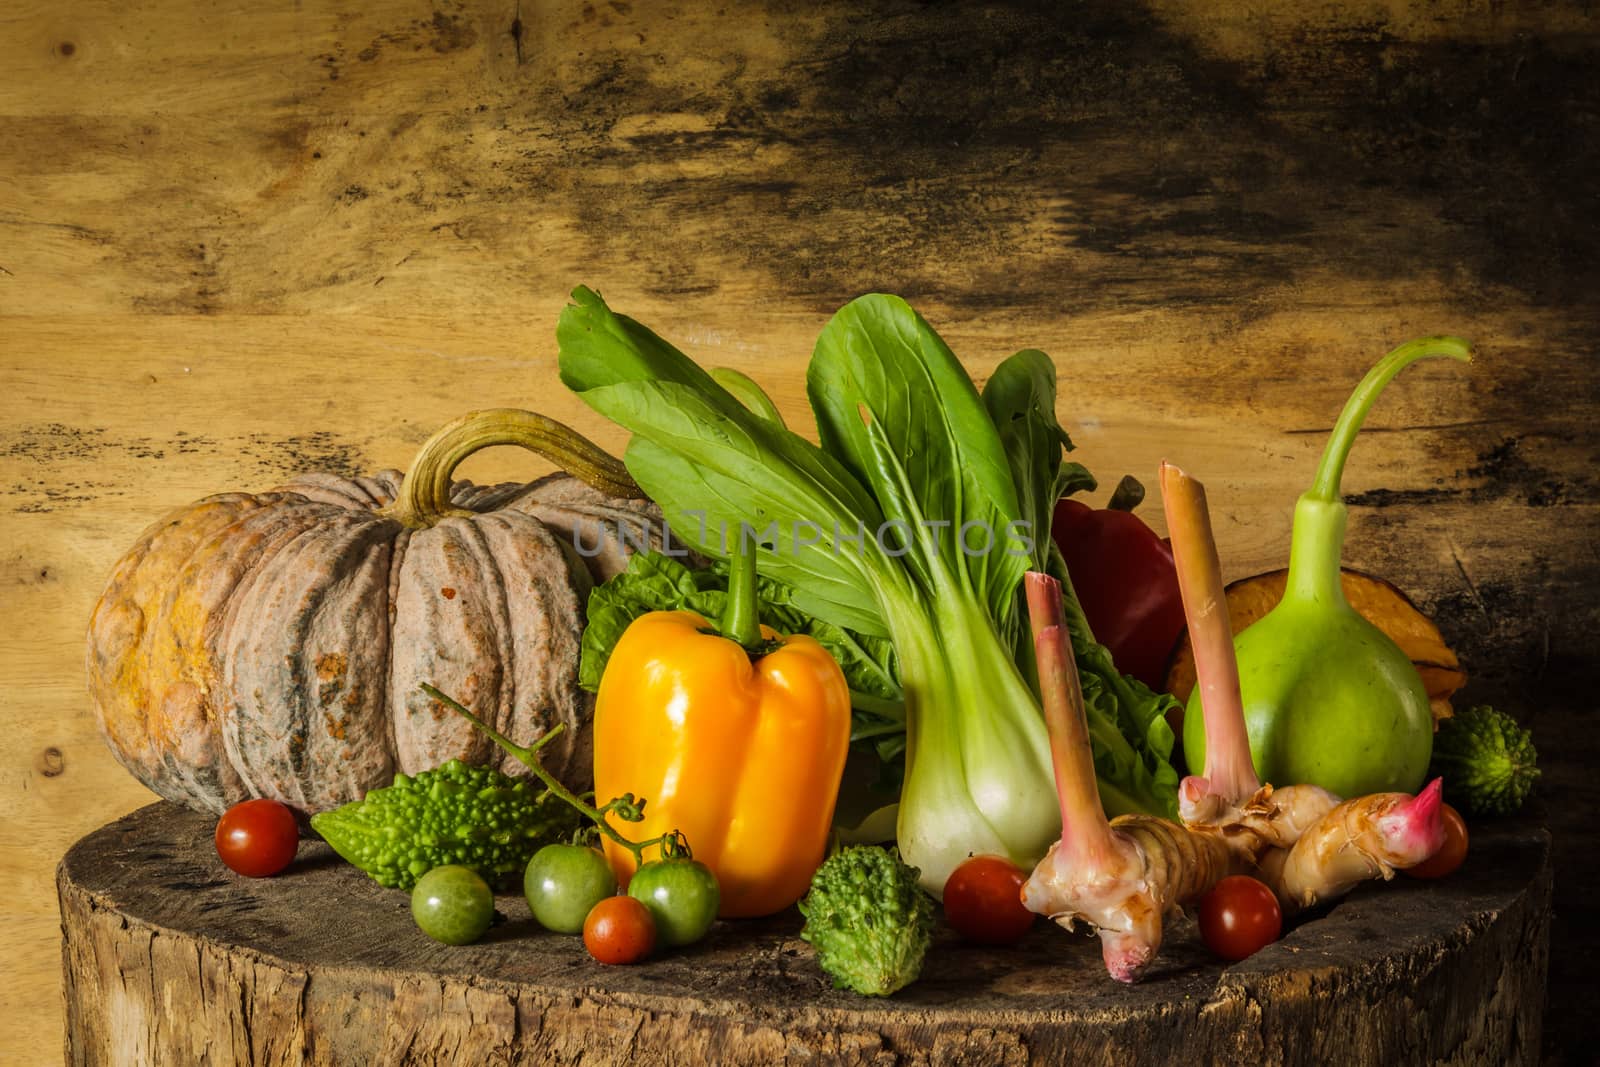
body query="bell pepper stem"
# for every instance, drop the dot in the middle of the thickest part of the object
(625, 806)
(1128, 494)
(740, 621)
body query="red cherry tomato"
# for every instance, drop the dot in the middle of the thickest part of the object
(983, 901)
(1239, 917)
(619, 929)
(257, 838)
(1450, 854)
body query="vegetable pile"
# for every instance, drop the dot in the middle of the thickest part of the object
(916, 593)
(1126, 876)
(914, 521)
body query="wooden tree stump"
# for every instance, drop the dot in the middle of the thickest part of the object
(172, 959)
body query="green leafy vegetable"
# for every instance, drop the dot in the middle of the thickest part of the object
(1021, 400)
(712, 464)
(454, 814)
(1128, 731)
(895, 404)
(908, 525)
(868, 919)
(750, 394)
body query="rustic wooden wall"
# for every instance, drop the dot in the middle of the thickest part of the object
(241, 240)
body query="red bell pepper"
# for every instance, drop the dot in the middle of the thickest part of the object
(1125, 579)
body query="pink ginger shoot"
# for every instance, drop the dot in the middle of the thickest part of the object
(1123, 878)
(1228, 795)
(1229, 777)
(1361, 839)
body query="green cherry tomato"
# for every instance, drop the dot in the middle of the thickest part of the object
(563, 883)
(452, 904)
(682, 896)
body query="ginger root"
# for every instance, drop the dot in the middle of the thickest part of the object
(1125, 876)
(1361, 839)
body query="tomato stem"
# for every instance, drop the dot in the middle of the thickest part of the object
(672, 844)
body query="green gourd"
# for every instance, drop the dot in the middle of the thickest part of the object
(474, 817)
(1487, 760)
(1329, 699)
(868, 919)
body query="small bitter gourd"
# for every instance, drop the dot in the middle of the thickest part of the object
(1487, 761)
(456, 813)
(868, 919)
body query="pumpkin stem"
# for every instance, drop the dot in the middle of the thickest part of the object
(424, 496)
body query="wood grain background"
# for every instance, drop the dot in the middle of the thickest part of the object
(243, 240)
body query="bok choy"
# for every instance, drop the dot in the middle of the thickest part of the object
(914, 521)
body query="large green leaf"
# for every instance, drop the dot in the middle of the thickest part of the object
(711, 472)
(877, 361)
(713, 464)
(1021, 399)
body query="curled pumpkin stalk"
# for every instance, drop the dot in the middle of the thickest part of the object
(424, 496)
(1302, 840)
(1122, 876)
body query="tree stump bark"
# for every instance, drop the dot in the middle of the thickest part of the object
(172, 959)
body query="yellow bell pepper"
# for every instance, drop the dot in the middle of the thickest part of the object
(738, 741)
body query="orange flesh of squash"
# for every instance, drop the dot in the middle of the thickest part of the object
(1379, 602)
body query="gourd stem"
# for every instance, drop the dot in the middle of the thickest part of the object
(740, 621)
(424, 496)
(1329, 472)
(1315, 549)
(1317, 543)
